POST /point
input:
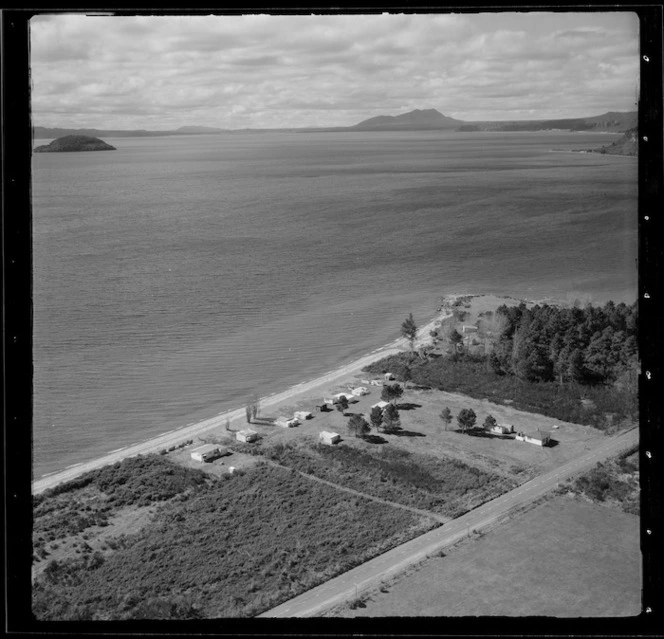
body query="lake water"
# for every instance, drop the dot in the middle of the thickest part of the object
(176, 276)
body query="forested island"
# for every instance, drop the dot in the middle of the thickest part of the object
(72, 143)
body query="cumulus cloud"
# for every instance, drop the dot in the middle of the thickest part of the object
(327, 70)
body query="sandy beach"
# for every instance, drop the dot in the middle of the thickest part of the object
(318, 386)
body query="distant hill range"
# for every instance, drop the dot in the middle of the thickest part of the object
(613, 122)
(417, 120)
(47, 132)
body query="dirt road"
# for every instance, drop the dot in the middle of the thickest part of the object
(371, 573)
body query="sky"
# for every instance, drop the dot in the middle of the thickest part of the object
(270, 71)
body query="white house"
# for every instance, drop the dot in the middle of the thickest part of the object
(348, 395)
(327, 437)
(303, 415)
(381, 404)
(541, 438)
(503, 429)
(467, 328)
(207, 452)
(287, 422)
(246, 435)
(389, 376)
(359, 391)
(376, 382)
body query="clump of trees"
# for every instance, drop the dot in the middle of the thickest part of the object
(391, 392)
(466, 419)
(342, 404)
(391, 419)
(546, 360)
(358, 426)
(376, 417)
(252, 408)
(409, 330)
(594, 345)
(446, 416)
(490, 422)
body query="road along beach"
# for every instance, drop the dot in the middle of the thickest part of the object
(177, 436)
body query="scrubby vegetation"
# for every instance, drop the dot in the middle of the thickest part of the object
(89, 500)
(615, 481)
(442, 485)
(233, 548)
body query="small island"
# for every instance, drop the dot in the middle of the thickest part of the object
(70, 143)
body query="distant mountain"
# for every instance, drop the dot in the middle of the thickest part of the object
(73, 143)
(425, 119)
(611, 122)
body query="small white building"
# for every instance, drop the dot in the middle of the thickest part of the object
(468, 328)
(207, 452)
(246, 435)
(327, 437)
(503, 429)
(541, 438)
(287, 422)
(303, 415)
(381, 404)
(376, 382)
(359, 391)
(389, 376)
(348, 395)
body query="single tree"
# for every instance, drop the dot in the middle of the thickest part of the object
(228, 424)
(255, 406)
(391, 392)
(391, 419)
(466, 419)
(358, 426)
(376, 417)
(409, 330)
(342, 404)
(490, 422)
(248, 412)
(406, 375)
(446, 416)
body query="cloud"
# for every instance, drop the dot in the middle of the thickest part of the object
(327, 70)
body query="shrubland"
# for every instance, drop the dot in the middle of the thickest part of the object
(227, 547)
(614, 481)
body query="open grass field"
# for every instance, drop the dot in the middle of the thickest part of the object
(565, 558)
(230, 547)
(424, 432)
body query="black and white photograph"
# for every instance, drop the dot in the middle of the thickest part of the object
(335, 316)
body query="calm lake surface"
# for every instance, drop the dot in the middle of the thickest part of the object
(176, 276)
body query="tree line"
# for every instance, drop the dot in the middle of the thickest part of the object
(591, 345)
